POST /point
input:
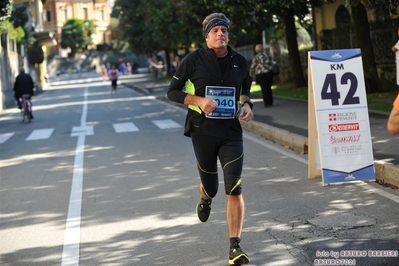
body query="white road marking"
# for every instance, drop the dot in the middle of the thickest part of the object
(82, 130)
(40, 134)
(125, 127)
(166, 123)
(70, 253)
(4, 137)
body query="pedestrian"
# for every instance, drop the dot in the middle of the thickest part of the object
(104, 72)
(174, 65)
(113, 74)
(129, 68)
(216, 86)
(261, 69)
(122, 68)
(395, 49)
(23, 85)
(393, 120)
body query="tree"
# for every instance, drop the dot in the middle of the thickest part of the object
(35, 52)
(363, 38)
(362, 28)
(6, 7)
(76, 34)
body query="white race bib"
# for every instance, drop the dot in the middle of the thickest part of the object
(225, 99)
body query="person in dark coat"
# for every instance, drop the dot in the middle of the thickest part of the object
(261, 67)
(23, 85)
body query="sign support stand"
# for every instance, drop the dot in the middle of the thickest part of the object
(313, 171)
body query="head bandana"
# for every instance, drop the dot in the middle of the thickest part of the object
(213, 23)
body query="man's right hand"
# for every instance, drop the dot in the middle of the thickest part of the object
(208, 105)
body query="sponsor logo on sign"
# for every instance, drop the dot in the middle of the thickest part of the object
(336, 55)
(352, 149)
(345, 139)
(345, 116)
(343, 127)
(350, 177)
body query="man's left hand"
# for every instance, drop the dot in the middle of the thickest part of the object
(246, 113)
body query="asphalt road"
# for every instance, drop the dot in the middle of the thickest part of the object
(101, 179)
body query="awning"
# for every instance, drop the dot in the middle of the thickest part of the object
(45, 38)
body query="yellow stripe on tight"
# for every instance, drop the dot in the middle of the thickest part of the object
(204, 170)
(232, 161)
(238, 183)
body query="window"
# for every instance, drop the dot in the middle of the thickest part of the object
(65, 14)
(85, 15)
(342, 17)
(48, 16)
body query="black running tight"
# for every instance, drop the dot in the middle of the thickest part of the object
(207, 150)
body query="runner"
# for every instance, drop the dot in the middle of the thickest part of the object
(113, 74)
(216, 80)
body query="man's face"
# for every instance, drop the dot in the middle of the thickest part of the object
(218, 37)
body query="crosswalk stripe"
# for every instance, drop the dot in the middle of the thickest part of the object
(4, 137)
(82, 130)
(40, 134)
(125, 127)
(166, 123)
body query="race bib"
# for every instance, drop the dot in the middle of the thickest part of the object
(225, 99)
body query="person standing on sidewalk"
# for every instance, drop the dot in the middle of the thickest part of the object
(23, 85)
(217, 89)
(393, 120)
(261, 68)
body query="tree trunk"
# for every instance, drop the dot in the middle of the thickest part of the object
(363, 38)
(293, 52)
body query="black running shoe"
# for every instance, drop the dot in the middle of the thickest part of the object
(204, 209)
(237, 256)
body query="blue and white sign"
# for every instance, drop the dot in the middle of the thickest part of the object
(225, 99)
(342, 116)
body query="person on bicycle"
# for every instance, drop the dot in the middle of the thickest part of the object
(23, 85)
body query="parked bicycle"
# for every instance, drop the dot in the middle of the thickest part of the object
(26, 110)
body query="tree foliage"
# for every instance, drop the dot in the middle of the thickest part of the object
(35, 51)
(6, 7)
(76, 35)
(153, 25)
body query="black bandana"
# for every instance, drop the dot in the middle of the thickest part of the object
(213, 23)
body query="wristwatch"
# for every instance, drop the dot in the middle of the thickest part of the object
(249, 103)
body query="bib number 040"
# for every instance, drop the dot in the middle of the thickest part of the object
(224, 102)
(330, 89)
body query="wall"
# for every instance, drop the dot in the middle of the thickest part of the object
(9, 66)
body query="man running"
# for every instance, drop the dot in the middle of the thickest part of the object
(217, 88)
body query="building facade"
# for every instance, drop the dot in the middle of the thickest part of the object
(57, 12)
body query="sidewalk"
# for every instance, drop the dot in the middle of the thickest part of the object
(286, 123)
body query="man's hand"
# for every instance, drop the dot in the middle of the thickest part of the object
(246, 113)
(207, 105)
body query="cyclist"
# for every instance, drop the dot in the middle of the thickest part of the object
(23, 85)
